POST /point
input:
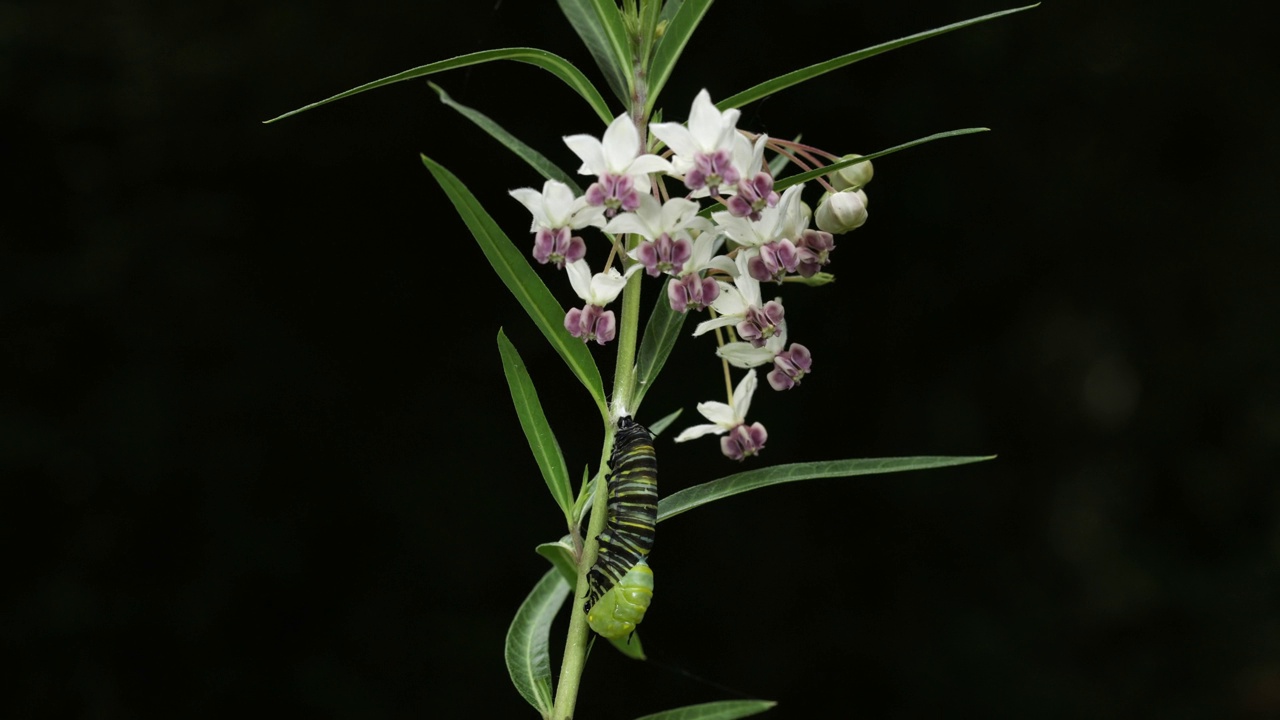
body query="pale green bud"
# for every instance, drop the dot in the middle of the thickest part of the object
(818, 279)
(853, 177)
(841, 212)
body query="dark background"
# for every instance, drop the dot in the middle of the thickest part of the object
(258, 454)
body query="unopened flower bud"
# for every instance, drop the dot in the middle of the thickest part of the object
(854, 176)
(841, 212)
(818, 279)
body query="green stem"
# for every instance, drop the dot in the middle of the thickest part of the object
(624, 374)
(624, 378)
(577, 643)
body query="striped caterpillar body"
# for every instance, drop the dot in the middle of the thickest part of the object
(621, 583)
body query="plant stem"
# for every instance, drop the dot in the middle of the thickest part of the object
(577, 643)
(624, 374)
(624, 377)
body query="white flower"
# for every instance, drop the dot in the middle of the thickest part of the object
(724, 417)
(734, 300)
(556, 207)
(704, 255)
(708, 130)
(675, 219)
(745, 355)
(786, 220)
(749, 158)
(599, 289)
(617, 155)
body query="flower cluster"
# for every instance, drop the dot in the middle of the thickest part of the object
(715, 262)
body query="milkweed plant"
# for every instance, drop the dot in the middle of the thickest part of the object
(721, 217)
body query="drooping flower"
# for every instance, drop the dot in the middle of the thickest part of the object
(774, 260)
(557, 247)
(786, 220)
(592, 321)
(601, 288)
(621, 167)
(790, 366)
(666, 229)
(740, 304)
(557, 207)
(755, 190)
(813, 251)
(692, 291)
(747, 355)
(762, 323)
(704, 148)
(555, 213)
(742, 440)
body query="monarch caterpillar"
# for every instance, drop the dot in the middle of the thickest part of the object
(621, 583)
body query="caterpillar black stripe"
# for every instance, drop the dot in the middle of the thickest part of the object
(621, 583)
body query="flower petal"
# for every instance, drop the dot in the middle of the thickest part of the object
(590, 151)
(742, 395)
(580, 278)
(744, 355)
(708, 325)
(718, 413)
(621, 144)
(698, 431)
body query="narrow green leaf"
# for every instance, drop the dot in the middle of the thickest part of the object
(670, 8)
(723, 710)
(790, 180)
(542, 441)
(798, 76)
(690, 498)
(560, 553)
(584, 494)
(527, 658)
(660, 335)
(664, 423)
(672, 44)
(522, 281)
(599, 24)
(550, 62)
(536, 160)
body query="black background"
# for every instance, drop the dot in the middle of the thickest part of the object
(258, 454)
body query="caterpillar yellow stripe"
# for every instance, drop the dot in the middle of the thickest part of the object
(620, 584)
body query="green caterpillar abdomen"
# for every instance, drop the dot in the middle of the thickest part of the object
(617, 612)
